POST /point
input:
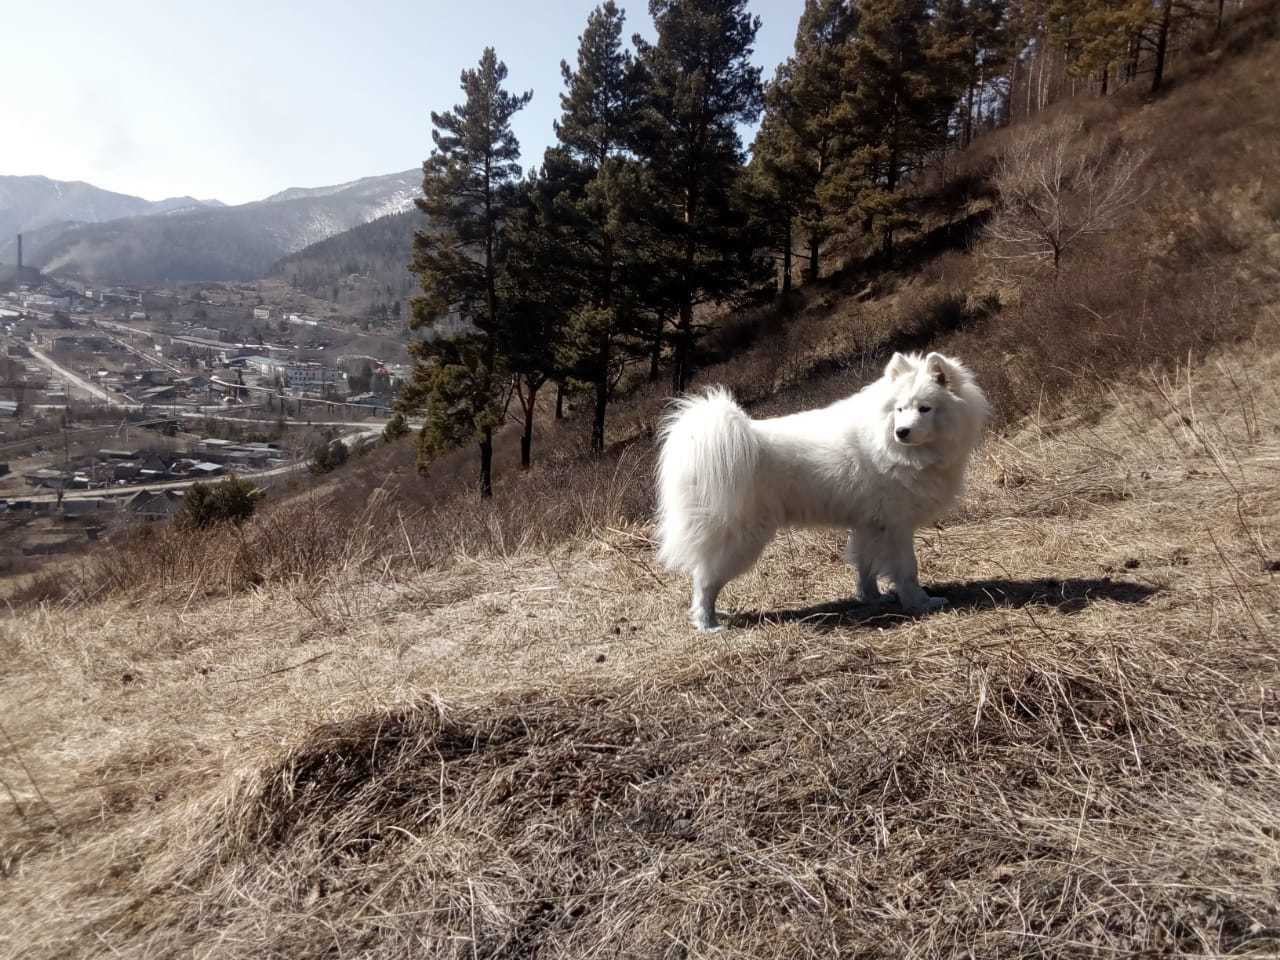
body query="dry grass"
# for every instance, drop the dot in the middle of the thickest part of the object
(532, 755)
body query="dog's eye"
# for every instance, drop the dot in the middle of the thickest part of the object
(925, 409)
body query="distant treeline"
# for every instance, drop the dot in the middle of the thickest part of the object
(366, 269)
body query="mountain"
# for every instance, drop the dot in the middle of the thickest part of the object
(203, 242)
(365, 186)
(29, 203)
(369, 262)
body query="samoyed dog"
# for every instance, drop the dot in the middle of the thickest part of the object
(879, 464)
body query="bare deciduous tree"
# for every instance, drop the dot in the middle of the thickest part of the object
(1056, 187)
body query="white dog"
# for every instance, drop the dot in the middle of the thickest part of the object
(880, 464)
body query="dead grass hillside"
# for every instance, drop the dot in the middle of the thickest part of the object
(533, 756)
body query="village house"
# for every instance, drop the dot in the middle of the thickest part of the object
(154, 504)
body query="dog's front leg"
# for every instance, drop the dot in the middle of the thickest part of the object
(860, 552)
(901, 558)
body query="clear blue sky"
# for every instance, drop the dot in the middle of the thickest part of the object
(237, 100)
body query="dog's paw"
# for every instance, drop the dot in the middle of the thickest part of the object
(924, 604)
(704, 623)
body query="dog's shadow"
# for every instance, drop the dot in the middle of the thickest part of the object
(1066, 596)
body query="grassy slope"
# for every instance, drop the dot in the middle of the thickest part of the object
(528, 753)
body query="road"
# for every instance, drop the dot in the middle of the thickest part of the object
(185, 338)
(129, 490)
(83, 385)
(211, 413)
(289, 421)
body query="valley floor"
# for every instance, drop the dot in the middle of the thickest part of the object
(534, 755)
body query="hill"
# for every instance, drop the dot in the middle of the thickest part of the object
(213, 244)
(361, 267)
(383, 719)
(29, 203)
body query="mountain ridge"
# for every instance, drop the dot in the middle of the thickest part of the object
(30, 202)
(205, 242)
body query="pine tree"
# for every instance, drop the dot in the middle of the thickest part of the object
(595, 131)
(1094, 33)
(468, 189)
(972, 38)
(899, 95)
(700, 84)
(805, 98)
(776, 187)
(535, 293)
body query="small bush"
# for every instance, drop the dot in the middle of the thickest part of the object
(328, 455)
(233, 500)
(396, 428)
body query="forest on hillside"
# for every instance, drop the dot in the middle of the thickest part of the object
(365, 270)
(649, 221)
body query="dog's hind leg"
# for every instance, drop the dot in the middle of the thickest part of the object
(735, 554)
(861, 551)
(901, 557)
(702, 611)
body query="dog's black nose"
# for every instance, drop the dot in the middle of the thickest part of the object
(903, 432)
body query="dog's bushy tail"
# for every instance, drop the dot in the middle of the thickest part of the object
(705, 472)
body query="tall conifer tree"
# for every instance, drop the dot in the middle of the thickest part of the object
(535, 292)
(596, 130)
(804, 97)
(468, 189)
(899, 94)
(700, 84)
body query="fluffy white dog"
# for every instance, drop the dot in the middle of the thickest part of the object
(880, 464)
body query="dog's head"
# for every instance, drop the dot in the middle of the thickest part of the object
(934, 398)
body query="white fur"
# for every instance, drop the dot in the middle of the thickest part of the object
(727, 483)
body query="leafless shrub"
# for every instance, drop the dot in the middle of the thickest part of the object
(1056, 188)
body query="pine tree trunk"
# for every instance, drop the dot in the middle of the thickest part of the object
(815, 240)
(655, 349)
(812, 267)
(786, 260)
(526, 439)
(1008, 98)
(967, 138)
(891, 182)
(486, 464)
(1106, 69)
(602, 399)
(1162, 45)
(1031, 69)
(680, 356)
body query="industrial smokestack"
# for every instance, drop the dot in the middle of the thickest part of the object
(19, 255)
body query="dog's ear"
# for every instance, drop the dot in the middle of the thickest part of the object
(938, 369)
(898, 365)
